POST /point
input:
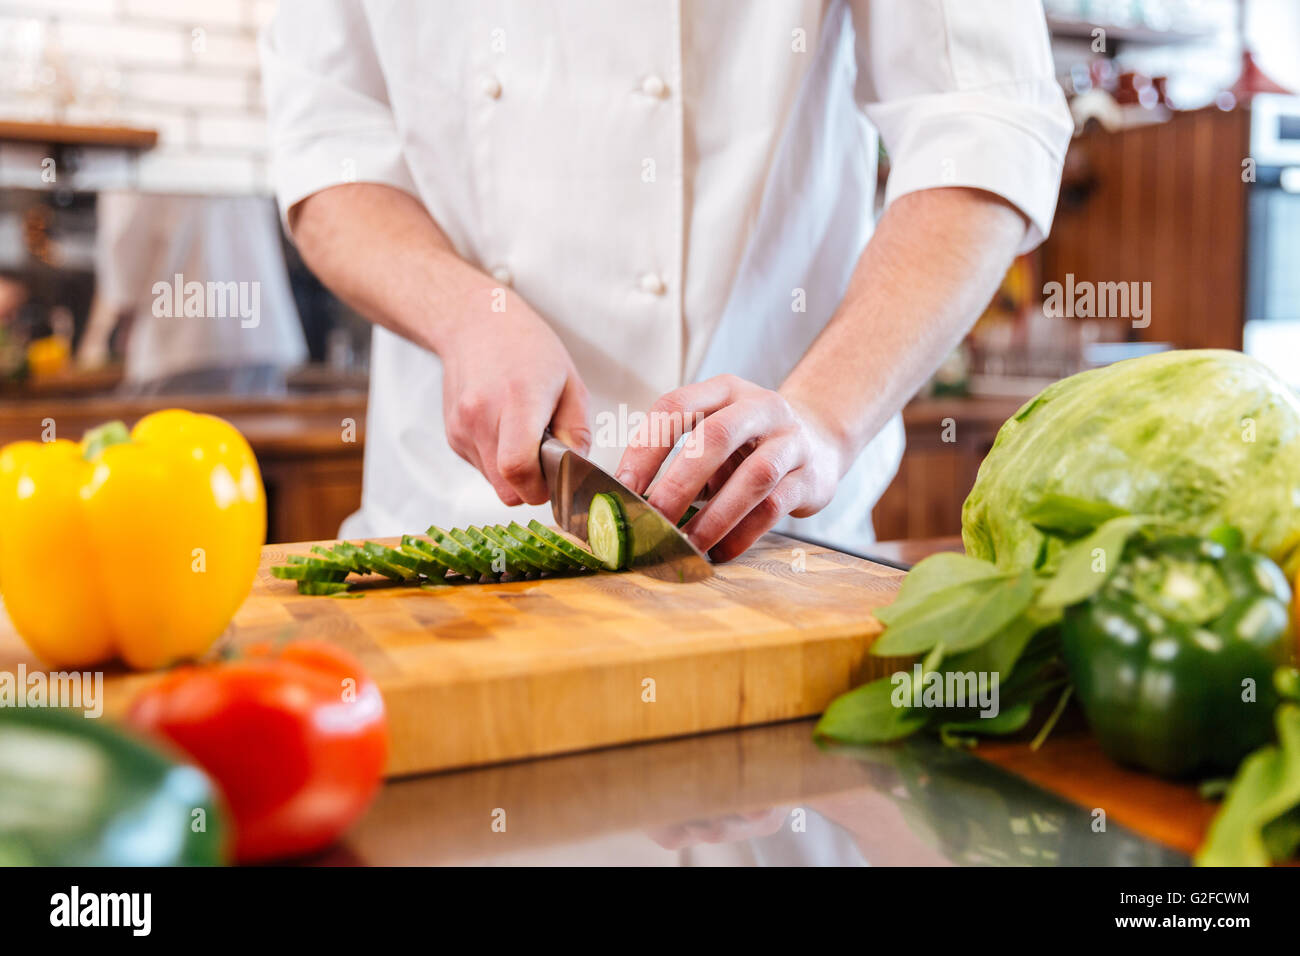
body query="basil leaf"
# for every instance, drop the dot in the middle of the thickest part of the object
(1008, 721)
(1070, 517)
(1000, 653)
(869, 715)
(962, 617)
(1088, 563)
(935, 574)
(1267, 787)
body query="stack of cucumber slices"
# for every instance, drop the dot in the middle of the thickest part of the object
(476, 554)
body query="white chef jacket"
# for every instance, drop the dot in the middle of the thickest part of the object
(679, 188)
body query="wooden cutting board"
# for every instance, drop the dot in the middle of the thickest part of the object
(475, 674)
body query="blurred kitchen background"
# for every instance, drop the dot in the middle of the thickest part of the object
(133, 147)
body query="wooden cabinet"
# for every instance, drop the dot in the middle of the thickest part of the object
(1164, 204)
(946, 441)
(309, 447)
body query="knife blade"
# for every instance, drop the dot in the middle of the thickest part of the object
(655, 546)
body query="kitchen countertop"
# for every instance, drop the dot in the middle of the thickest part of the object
(764, 795)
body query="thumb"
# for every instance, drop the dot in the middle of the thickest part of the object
(569, 423)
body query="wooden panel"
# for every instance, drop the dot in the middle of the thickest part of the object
(477, 674)
(309, 447)
(925, 498)
(1163, 204)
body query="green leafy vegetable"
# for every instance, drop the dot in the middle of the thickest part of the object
(962, 617)
(1199, 438)
(1256, 824)
(1088, 563)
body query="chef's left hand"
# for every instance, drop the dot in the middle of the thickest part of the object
(755, 454)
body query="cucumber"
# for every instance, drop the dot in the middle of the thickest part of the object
(515, 564)
(565, 546)
(347, 551)
(322, 587)
(303, 572)
(559, 559)
(607, 531)
(437, 552)
(538, 556)
(400, 560)
(467, 554)
(378, 557)
(523, 556)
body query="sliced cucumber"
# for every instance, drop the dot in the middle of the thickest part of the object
(437, 552)
(565, 546)
(322, 587)
(538, 557)
(513, 552)
(462, 551)
(517, 564)
(607, 531)
(303, 572)
(380, 558)
(560, 560)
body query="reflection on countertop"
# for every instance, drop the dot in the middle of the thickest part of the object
(765, 796)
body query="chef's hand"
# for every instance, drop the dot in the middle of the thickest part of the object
(756, 454)
(506, 378)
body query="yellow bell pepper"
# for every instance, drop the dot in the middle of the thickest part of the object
(136, 545)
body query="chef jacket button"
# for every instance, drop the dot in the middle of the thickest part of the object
(651, 284)
(654, 86)
(502, 275)
(490, 86)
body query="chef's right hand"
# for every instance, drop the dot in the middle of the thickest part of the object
(506, 378)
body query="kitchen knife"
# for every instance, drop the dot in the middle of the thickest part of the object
(655, 546)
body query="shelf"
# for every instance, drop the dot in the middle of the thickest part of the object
(64, 134)
(1082, 30)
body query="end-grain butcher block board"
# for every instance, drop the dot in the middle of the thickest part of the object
(475, 674)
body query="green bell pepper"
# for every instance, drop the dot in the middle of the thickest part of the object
(78, 792)
(1173, 658)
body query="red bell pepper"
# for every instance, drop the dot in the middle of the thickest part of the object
(296, 738)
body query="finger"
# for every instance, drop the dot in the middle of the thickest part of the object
(668, 419)
(707, 449)
(779, 503)
(570, 421)
(755, 479)
(522, 423)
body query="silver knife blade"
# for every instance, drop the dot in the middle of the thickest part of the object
(655, 545)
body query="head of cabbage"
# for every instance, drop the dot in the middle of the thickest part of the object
(1202, 438)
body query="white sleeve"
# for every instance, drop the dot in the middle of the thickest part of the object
(963, 93)
(327, 103)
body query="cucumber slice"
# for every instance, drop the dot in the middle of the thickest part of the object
(437, 552)
(379, 557)
(347, 551)
(303, 572)
(607, 531)
(561, 561)
(499, 553)
(538, 556)
(467, 554)
(322, 587)
(416, 564)
(565, 546)
(519, 554)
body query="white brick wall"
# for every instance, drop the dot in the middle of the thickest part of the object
(187, 68)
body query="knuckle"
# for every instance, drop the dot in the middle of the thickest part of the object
(764, 471)
(670, 403)
(716, 435)
(515, 468)
(770, 508)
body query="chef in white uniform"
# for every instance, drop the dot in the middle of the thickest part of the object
(572, 212)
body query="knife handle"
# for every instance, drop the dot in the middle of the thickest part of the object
(551, 453)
